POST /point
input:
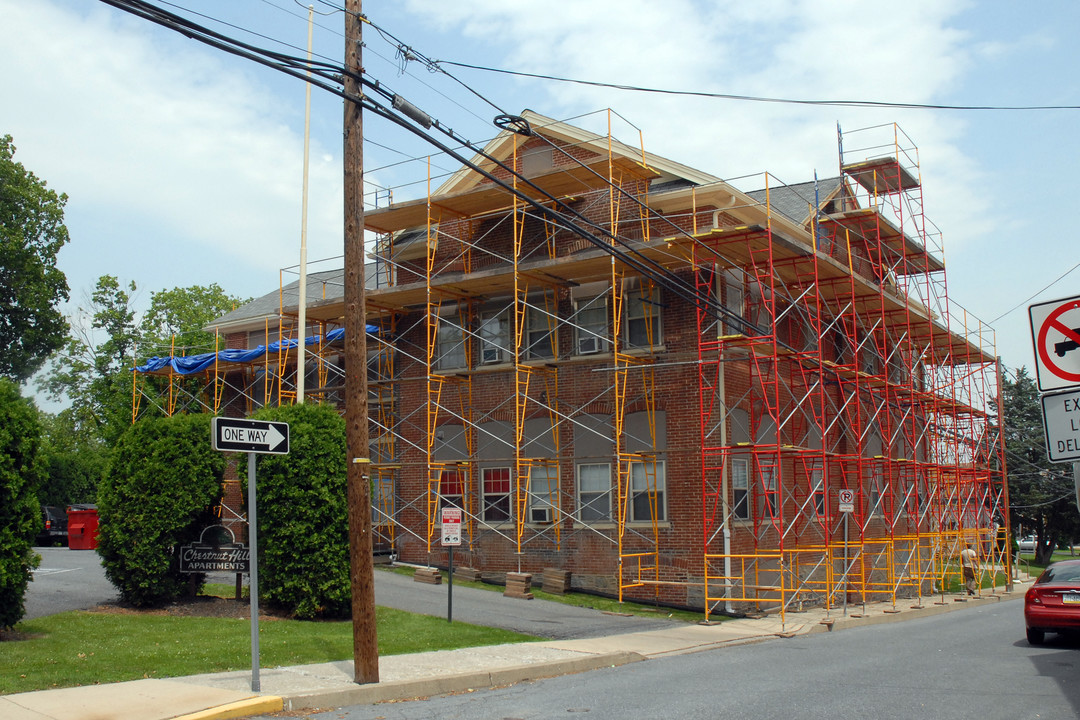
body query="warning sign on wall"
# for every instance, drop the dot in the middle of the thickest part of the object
(1055, 331)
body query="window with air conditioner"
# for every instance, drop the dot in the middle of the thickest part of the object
(543, 493)
(591, 326)
(495, 337)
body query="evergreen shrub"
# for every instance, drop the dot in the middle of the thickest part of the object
(21, 470)
(158, 494)
(302, 515)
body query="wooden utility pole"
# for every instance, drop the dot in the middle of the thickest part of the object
(361, 576)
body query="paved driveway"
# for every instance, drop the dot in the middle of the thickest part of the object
(67, 580)
(483, 607)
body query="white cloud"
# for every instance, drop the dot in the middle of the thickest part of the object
(176, 147)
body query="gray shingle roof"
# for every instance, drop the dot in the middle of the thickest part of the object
(795, 201)
(321, 286)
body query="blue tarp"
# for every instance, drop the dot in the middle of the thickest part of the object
(198, 363)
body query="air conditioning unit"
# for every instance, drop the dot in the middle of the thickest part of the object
(540, 515)
(588, 345)
(491, 355)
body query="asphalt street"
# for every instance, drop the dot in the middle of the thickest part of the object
(973, 663)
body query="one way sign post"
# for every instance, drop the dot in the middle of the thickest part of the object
(257, 436)
(252, 437)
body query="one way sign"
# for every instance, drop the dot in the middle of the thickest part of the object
(257, 436)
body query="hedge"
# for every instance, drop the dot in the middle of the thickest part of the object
(303, 515)
(163, 482)
(21, 471)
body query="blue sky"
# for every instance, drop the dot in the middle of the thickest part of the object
(183, 165)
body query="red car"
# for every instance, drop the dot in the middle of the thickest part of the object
(1052, 604)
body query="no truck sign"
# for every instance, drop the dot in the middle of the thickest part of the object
(1055, 331)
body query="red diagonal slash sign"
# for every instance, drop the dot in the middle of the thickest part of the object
(1053, 321)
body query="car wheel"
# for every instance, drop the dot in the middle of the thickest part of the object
(1035, 637)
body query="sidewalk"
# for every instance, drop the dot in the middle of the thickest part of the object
(327, 685)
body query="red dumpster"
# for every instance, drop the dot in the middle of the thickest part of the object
(82, 527)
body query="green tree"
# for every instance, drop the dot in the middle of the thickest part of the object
(163, 482)
(93, 373)
(32, 231)
(175, 320)
(20, 515)
(74, 460)
(1042, 498)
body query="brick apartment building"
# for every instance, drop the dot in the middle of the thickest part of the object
(628, 369)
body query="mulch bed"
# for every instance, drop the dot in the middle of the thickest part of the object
(200, 606)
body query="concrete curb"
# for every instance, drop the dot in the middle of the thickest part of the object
(404, 689)
(240, 709)
(840, 622)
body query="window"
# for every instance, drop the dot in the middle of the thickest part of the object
(591, 326)
(540, 336)
(733, 282)
(874, 499)
(452, 489)
(451, 346)
(543, 493)
(740, 489)
(817, 483)
(494, 338)
(769, 496)
(594, 491)
(642, 302)
(382, 500)
(496, 494)
(647, 485)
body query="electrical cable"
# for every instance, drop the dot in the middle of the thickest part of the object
(758, 98)
(630, 256)
(1037, 294)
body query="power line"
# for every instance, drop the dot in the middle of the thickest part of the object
(328, 77)
(1037, 294)
(756, 98)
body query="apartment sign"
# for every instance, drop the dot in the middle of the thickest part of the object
(1055, 332)
(216, 551)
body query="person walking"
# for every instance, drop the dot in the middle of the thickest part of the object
(969, 564)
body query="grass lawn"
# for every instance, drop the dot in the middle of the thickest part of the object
(83, 648)
(1028, 564)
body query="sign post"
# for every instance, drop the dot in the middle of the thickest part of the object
(847, 506)
(1055, 333)
(451, 537)
(253, 437)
